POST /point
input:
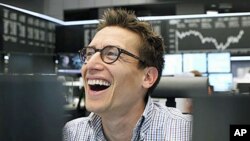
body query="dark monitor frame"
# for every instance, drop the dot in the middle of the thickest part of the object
(244, 88)
(31, 63)
(213, 116)
(31, 108)
(181, 87)
(1, 62)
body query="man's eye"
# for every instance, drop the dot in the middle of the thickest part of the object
(89, 53)
(111, 54)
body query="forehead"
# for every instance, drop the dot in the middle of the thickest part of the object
(117, 36)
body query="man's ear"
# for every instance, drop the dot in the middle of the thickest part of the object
(150, 76)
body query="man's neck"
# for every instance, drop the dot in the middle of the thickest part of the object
(120, 126)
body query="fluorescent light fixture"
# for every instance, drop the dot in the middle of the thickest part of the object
(148, 18)
(81, 22)
(69, 71)
(240, 58)
(212, 12)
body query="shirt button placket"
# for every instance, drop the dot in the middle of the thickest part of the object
(142, 136)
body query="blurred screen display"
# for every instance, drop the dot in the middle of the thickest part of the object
(69, 63)
(173, 64)
(195, 61)
(219, 62)
(221, 81)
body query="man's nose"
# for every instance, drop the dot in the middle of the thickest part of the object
(95, 61)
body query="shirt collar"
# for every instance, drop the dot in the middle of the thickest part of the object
(95, 123)
(145, 120)
(140, 129)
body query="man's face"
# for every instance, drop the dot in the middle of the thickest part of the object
(121, 82)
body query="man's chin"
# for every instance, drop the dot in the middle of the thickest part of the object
(94, 109)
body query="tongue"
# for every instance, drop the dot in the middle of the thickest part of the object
(98, 87)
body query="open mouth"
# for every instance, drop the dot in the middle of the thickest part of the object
(98, 85)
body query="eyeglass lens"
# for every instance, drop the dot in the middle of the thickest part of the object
(109, 54)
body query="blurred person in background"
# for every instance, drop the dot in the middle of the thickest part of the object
(188, 106)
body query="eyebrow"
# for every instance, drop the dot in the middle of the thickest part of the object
(106, 46)
(90, 46)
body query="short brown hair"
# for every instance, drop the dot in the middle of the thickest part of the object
(196, 73)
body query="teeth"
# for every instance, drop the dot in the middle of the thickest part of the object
(98, 82)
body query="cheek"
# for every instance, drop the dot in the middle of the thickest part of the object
(83, 73)
(83, 70)
(127, 77)
(127, 88)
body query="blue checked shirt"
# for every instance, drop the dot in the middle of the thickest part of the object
(158, 123)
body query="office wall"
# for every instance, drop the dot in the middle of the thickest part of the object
(181, 6)
(55, 8)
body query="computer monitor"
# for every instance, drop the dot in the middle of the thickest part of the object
(181, 87)
(31, 108)
(69, 63)
(221, 82)
(173, 64)
(195, 61)
(26, 63)
(213, 116)
(219, 62)
(244, 88)
(1, 62)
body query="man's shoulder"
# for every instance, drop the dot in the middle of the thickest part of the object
(170, 113)
(78, 130)
(167, 123)
(79, 122)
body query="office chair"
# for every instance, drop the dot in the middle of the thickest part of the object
(180, 87)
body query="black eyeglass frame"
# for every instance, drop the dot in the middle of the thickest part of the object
(120, 51)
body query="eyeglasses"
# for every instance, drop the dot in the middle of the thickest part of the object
(109, 54)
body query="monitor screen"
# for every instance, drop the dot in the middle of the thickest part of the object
(213, 116)
(69, 63)
(219, 62)
(195, 61)
(31, 108)
(221, 82)
(173, 64)
(25, 63)
(204, 74)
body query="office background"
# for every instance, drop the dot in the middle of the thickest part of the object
(37, 45)
(51, 44)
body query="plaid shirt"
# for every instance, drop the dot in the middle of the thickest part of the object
(158, 123)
